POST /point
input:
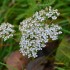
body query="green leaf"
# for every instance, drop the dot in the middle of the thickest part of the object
(59, 68)
(49, 2)
(20, 16)
(66, 31)
(63, 53)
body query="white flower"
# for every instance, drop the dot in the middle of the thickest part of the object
(35, 33)
(39, 16)
(52, 13)
(54, 31)
(6, 31)
(54, 17)
(33, 39)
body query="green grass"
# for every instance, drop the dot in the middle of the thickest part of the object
(63, 53)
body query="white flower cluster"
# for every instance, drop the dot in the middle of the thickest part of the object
(40, 16)
(43, 14)
(33, 38)
(53, 31)
(52, 13)
(6, 31)
(35, 35)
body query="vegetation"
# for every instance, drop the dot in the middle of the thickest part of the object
(14, 11)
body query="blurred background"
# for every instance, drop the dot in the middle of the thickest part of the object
(14, 11)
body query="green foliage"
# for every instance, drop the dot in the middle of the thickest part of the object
(63, 53)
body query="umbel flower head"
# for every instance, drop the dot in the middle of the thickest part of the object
(36, 33)
(6, 31)
(52, 13)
